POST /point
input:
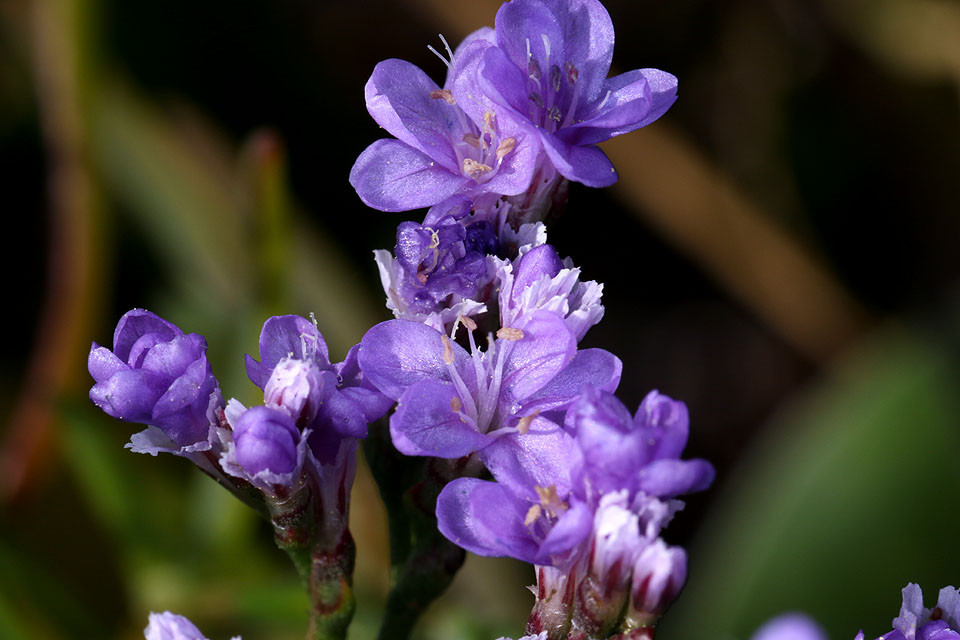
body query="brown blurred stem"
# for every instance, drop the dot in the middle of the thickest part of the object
(61, 60)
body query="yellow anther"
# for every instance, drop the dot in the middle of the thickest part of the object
(447, 350)
(488, 121)
(475, 141)
(510, 333)
(456, 404)
(468, 322)
(505, 147)
(443, 94)
(549, 500)
(532, 514)
(524, 425)
(475, 169)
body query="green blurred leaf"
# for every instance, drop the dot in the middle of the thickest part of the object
(849, 495)
(184, 204)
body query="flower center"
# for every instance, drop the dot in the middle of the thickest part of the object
(554, 95)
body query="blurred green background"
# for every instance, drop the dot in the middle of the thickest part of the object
(781, 253)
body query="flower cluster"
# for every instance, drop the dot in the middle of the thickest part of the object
(521, 110)
(482, 360)
(303, 437)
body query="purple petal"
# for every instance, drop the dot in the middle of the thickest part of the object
(590, 367)
(170, 626)
(340, 413)
(172, 358)
(291, 336)
(666, 421)
(670, 477)
(636, 99)
(540, 262)
(130, 395)
(587, 164)
(399, 353)
(543, 456)
(790, 626)
(392, 176)
(937, 630)
(425, 423)
(182, 411)
(371, 402)
(102, 363)
(398, 97)
(485, 518)
(504, 83)
(256, 372)
(546, 348)
(136, 323)
(266, 440)
(571, 529)
(588, 40)
(523, 21)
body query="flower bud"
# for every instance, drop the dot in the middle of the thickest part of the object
(266, 441)
(296, 386)
(156, 375)
(659, 574)
(170, 626)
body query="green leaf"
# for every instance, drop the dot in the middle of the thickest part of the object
(850, 494)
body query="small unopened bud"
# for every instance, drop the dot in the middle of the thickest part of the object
(659, 574)
(296, 386)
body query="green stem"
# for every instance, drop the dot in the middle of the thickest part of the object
(324, 560)
(331, 593)
(424, 562)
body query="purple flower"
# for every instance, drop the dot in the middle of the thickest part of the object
(452, 403)
(530, 514)
(441, 270)
(540, 280)
(639, 453)
(159, 376)
(170, 626)
(548, 65)
(440, 149)
(332, 400)
(790, 626)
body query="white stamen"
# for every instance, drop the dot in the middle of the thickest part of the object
(447, 62)
(604, 101)
(529, 55)
(546, 46)
(446, 46)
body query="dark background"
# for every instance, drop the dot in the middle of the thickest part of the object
(780, 253)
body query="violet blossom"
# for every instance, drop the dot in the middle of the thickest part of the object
(158, 376)
(548, 65)
(439, 150)
(441, 270)
(790, 626)
(170, 626)
(333, 401)
(540, 280)
(451, 403)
